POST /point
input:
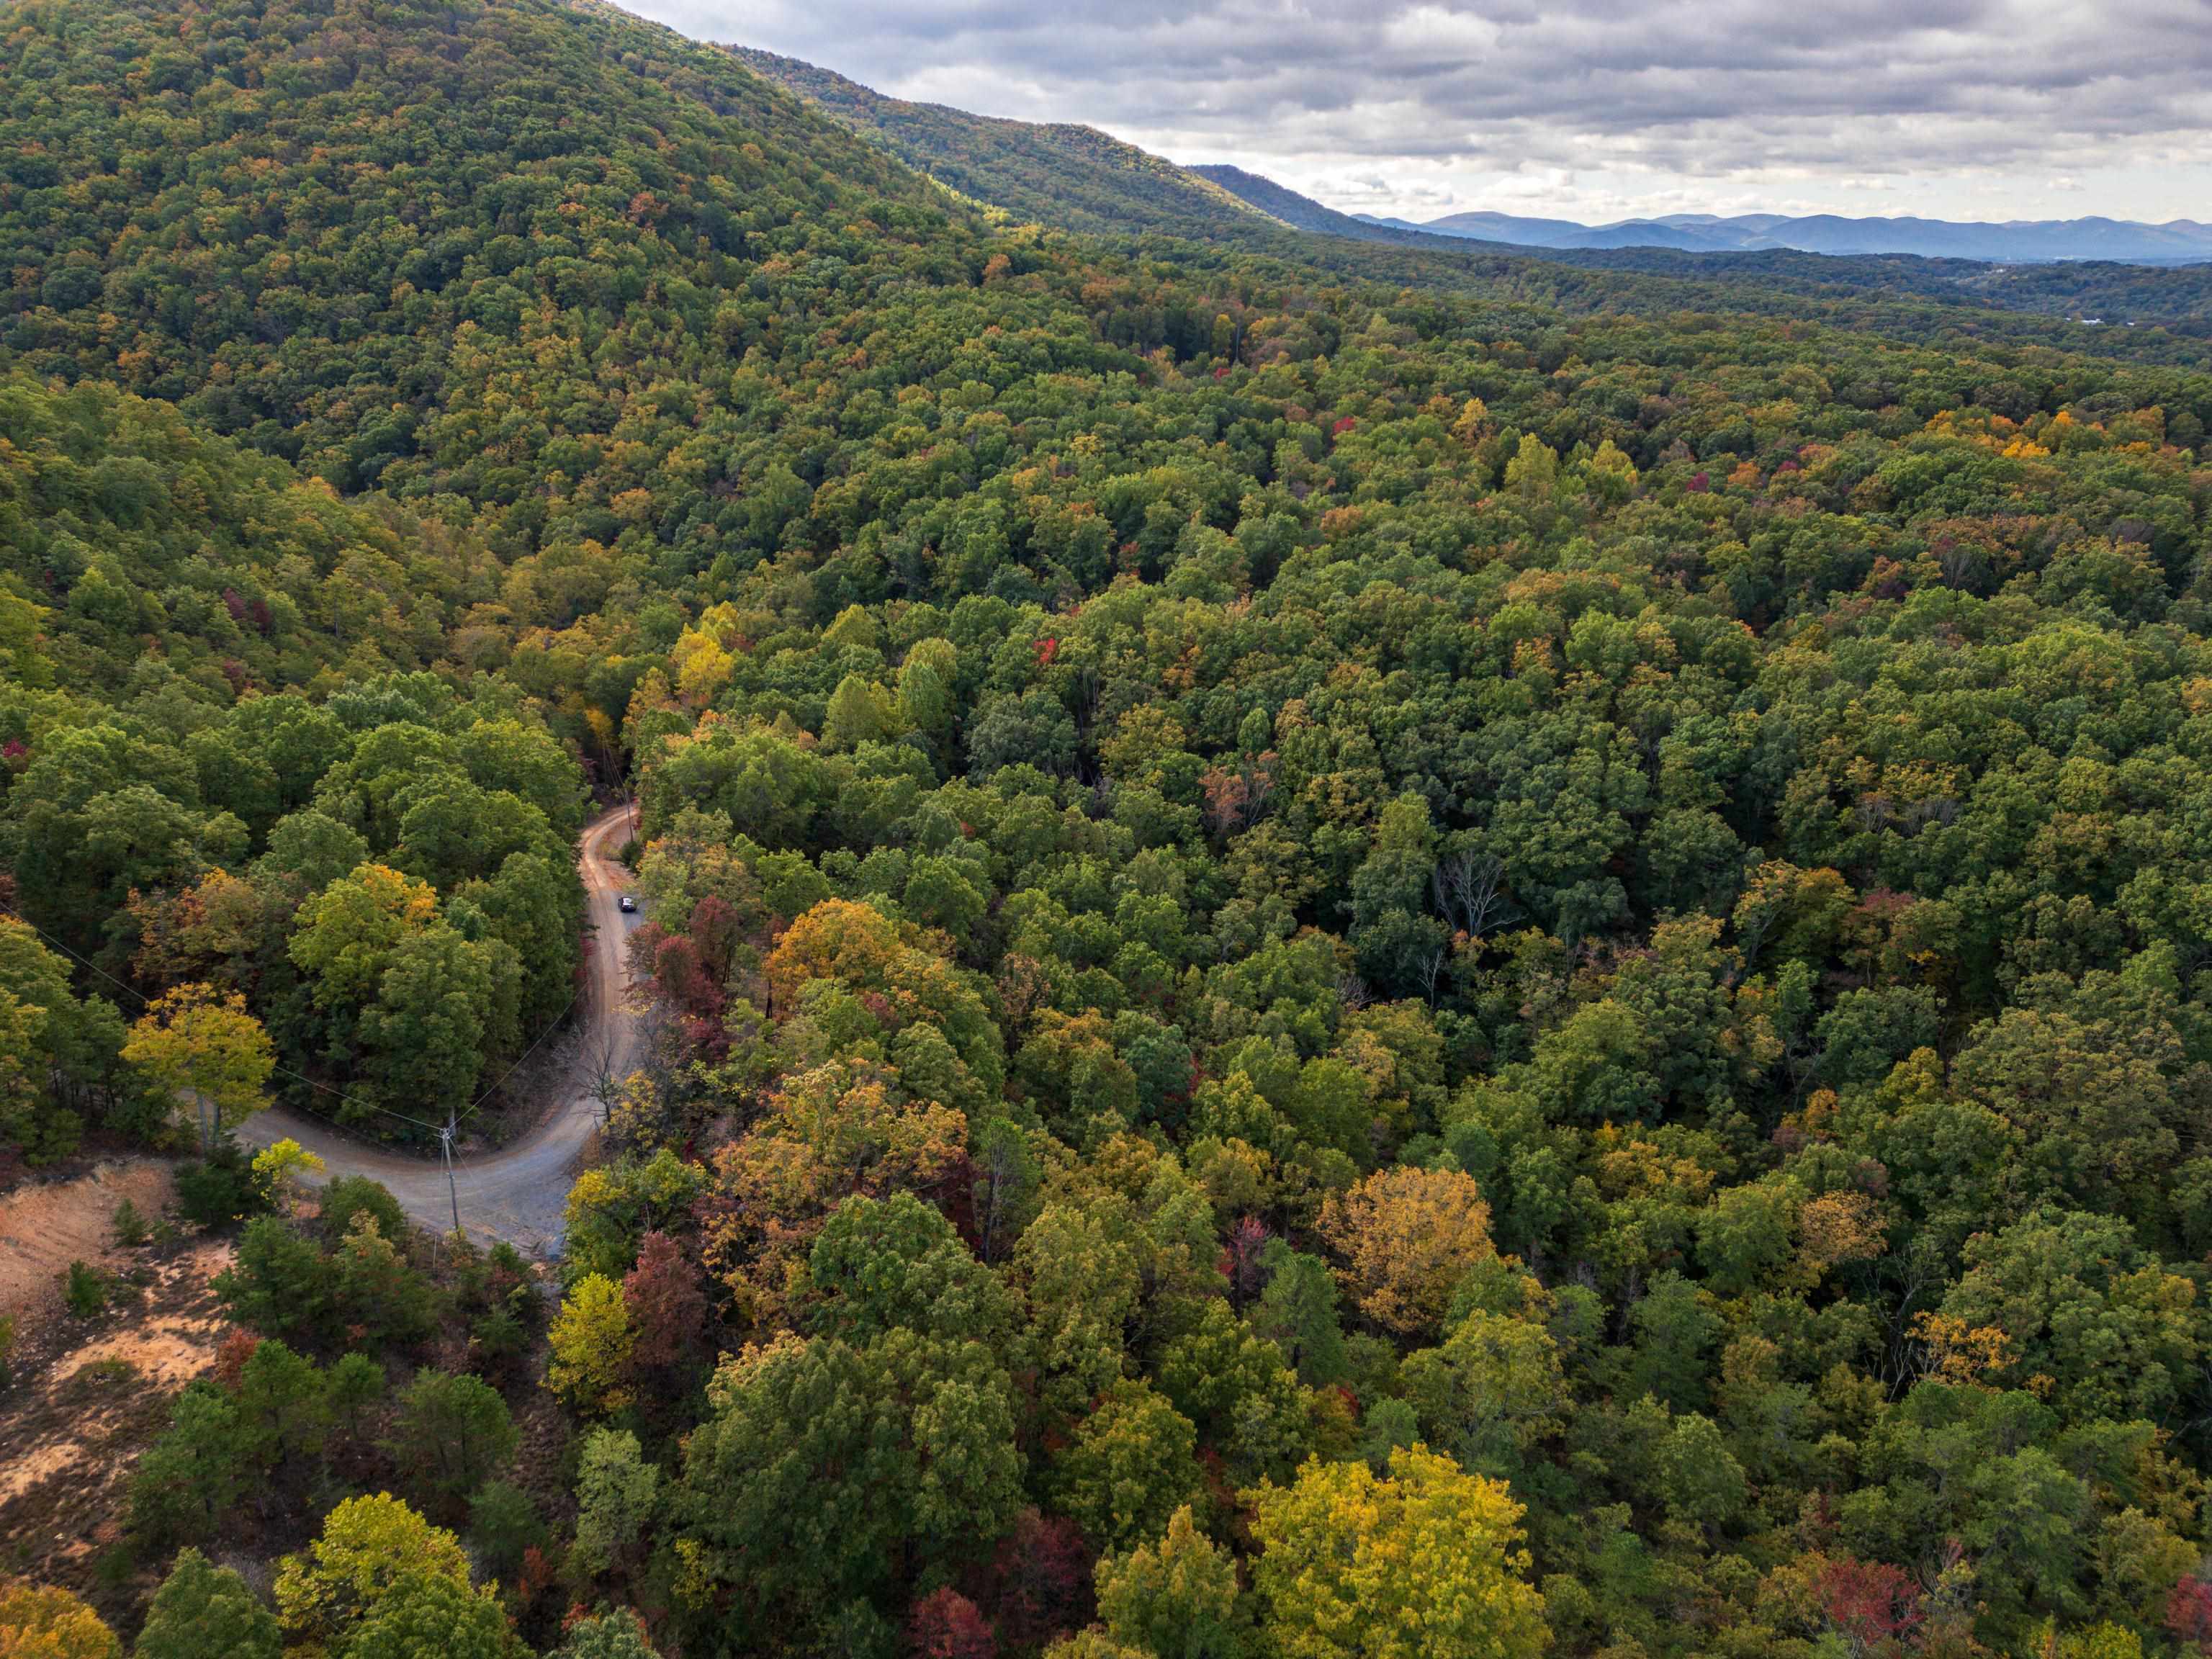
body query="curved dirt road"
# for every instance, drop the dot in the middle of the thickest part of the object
(516, 1192)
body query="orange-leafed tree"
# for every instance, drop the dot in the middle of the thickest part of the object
(1408, 1237)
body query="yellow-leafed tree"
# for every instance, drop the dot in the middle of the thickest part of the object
(1410, 1237)
(39, 1621)
(1426, 1560)
(200, 1045)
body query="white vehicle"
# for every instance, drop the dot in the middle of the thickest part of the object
(626, 902)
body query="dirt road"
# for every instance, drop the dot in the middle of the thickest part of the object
(515, 1192)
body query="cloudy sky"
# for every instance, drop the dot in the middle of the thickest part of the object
(1590, 109)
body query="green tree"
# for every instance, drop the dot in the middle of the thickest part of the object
(617, 1492)
(504, 1526)
(1611, 474)
(1699, 1478)
(1490, 1393)
(284, 1406)
(823, 1464)
(616, 1635)
(451, 1433)
(1672, 1329)
(311, 849)
(1129, 1466)
(345, 936)
(1533, 475)
(446, 1008)
(206, 1611)
(189, 1479)
(1298, 1313)
(348, 1198)
(1401, 946)
(431, 1616)
(1083, 1281)
(1247, 1403)
(611, 1209)
(927, 688)
(55, 1048)
(368, 1548)
(524, 759)
(2085, 1308)
(533, 903)
(1176, 1599)
(374, 1288)
(356, 1384)
(278, 1283)
(859, 712)
(896, 1263)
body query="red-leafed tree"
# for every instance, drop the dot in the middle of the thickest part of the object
(2188, 1612)
(1875, 1606)
(1240, 1259)
(1038, 1585)
(230, 1355)
(717, 930)
(667, 1303)
(1225, 795)
(946, 1625)
(683, 979)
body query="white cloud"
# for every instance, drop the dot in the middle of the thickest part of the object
(1972, 108)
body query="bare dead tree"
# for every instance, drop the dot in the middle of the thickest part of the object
(603, 1062)
(1259, 774)
(1470, 889)
(1432, 971)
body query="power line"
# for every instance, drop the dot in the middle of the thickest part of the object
(148, 1002)
(446, 1145)
(550, 1025)
(444, 1132)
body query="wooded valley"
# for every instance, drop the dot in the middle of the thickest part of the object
(1347, 951)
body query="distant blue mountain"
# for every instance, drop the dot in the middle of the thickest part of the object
(2179, 241)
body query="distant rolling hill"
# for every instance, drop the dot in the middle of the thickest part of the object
(1279, 202)
(1079, 180)
(2022, 241)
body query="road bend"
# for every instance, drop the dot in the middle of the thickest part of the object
(515, 1192)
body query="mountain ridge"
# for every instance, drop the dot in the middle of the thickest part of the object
(1075, 179)
(2007, 242)
(1105, 186)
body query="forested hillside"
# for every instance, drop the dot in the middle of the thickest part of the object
(1338, 968)
(2094, 293)
(1071, 178)
(216, 705)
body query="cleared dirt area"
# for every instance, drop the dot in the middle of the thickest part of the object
(90, 1394)
(46, 1224)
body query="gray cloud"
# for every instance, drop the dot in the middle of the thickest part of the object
(1973, 108)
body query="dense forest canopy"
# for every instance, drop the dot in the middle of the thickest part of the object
(1343, 962)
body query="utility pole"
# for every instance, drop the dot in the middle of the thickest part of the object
(446, 1145)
